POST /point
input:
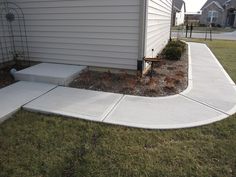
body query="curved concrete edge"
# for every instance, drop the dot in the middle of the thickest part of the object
(172, 127)
(194, 124)
(134, 125)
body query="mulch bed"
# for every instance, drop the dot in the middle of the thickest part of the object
(169, 78)
(5, 77)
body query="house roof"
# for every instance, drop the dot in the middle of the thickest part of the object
(218, 2)
(178, 4)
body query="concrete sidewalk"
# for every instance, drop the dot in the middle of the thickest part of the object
(16, 95)
(210, 97)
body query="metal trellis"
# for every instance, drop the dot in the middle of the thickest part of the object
(13, 41)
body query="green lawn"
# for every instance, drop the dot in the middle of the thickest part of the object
(35, 145)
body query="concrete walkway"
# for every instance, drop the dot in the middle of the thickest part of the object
(210, 97)
(16, 95)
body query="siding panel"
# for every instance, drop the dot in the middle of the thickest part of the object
(92, 32)
(158, 26)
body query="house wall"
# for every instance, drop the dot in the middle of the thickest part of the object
(103, 33)
(204, 16)
(158, 26)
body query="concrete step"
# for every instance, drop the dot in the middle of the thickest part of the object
(57, 74)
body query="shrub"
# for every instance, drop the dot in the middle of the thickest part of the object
(174, 50)
(173, 53)
(176, 44)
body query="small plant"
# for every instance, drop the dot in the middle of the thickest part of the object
(174, 50)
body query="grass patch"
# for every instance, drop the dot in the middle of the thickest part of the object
(36, 145)
(33, 145)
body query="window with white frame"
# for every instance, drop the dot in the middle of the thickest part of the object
(212, 16)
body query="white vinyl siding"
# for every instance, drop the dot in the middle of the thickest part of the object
(102, 33)
(158, 26)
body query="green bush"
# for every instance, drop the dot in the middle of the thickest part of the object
(173, 53)
(174, 50)
(177, 44)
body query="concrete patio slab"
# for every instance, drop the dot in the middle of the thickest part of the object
(162, 113)
(77, 103)
(58, 74)
(16, 95)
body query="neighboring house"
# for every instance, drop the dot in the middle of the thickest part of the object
(179, 9)
(101, 33)
(192, 18)
(219, 12)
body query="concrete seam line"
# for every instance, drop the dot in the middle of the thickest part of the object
(40, 96)
(113, 108)
(205, 104)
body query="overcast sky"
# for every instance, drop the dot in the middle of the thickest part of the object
(194, 5)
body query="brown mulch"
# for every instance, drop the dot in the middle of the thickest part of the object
(5, 77)
(169, 78)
